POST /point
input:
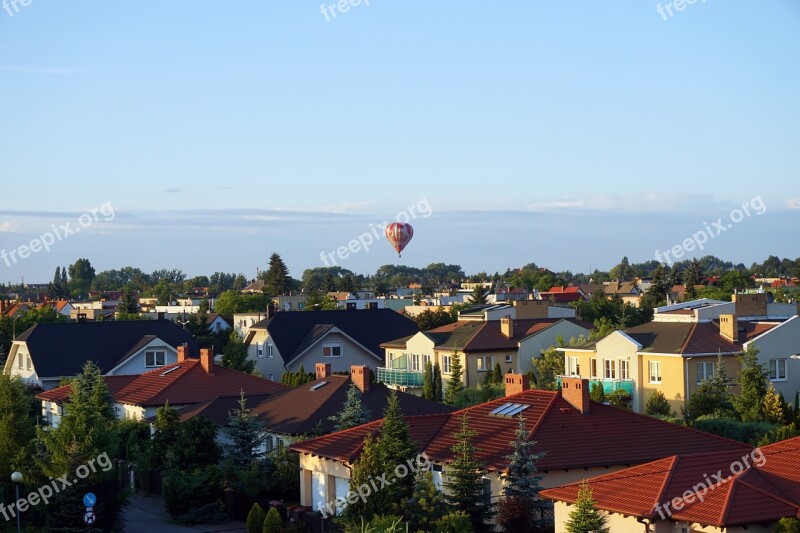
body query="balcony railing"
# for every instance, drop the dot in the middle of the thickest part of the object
(609, 385)
(400, 376)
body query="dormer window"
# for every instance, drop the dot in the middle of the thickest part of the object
(155, 358)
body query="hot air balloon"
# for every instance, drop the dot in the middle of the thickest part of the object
(399, 235)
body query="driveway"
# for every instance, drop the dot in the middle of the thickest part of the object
(148, 514)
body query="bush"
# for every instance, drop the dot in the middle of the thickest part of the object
(749, 432)
(187, 490)
(777, 435)
(386, 524)
(211, 513)
(457, 522)
(657, 405)
(255, 519)
(788, 525)
(273, 523)
(619, 398)
(597, 394)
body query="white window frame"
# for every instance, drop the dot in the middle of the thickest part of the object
(425, 360)
(778, 376)
(415, 361)
(330, 348)
(593, 367)
(654, 377)
(624, 369)
(706, 374)
(573, 366)
(509, 359)
(610, 368)
(447, 361)
(155, 358)
(270, 347)
(484, 363)
(21, 361)
(259, 351)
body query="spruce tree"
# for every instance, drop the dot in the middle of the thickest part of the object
(521, 508)
(497, 374)
(255, 519)
(246, 436)
(772, 407)
(276, 278)
(427, 382)
(437, 382)
(366, 468)
(691, 277)
(395, 448)
(752, 381)
(234, 355)
(353, 412)
(597, 393)
(17, 428)
(166, 432)
(584, 518)
(426, 505)
(464, 482)
(454, 384)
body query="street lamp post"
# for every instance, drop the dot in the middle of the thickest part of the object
(16, 477)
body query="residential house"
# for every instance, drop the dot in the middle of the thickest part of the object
(291, 302)
(724, 491)
(94, 310)
(62, 307)
(679, 348)
(581, 439)
(564, 295)
(506, 294)
(342, 338)
(216, 323)
(187, 382)
(479, 344)
(47, 352)
(307, 409)
(628, 291)
(256, 286)
(242, 322)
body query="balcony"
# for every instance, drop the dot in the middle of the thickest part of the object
(400, 377)
(609, 385)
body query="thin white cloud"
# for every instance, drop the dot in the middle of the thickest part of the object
(345, 207)
(643, 202)
(793, 203)
(51, 71)
(556, 204)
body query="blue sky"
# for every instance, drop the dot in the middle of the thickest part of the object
(563, 133)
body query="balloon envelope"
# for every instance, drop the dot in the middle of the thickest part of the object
(399, 235)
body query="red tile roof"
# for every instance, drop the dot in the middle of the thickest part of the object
(763, 491)
(606, 436)
(179, 384)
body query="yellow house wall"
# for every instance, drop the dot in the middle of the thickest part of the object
(673, 383)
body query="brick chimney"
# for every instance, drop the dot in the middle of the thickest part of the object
(516, 383)
(207, 360)
(576, 392)
(507, 326)
(183, 353)
(323, 370)
(750, 304)
(359, 375)
(729, 327)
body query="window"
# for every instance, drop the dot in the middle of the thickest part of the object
(415, 362)
(426, 359)
(611, 369)
(332, 349)
(484, 363)
(446, 364)
(259, 350)
(20, 361)
(777, 369)
(655, 371)
(487, 491)
(574, 366)
(272, 377)
(269, 350)
(154, 358)
(705, 370)
(624, 369)
(509, 359)
(593, 367)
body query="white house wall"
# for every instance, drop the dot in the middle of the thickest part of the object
(782, 342)
(352, 354)
(136, 363)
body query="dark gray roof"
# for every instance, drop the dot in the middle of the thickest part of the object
(61, 348)
(293, 331)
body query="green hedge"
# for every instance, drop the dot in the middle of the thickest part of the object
(749, 432)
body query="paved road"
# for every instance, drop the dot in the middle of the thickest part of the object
(148, 514)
